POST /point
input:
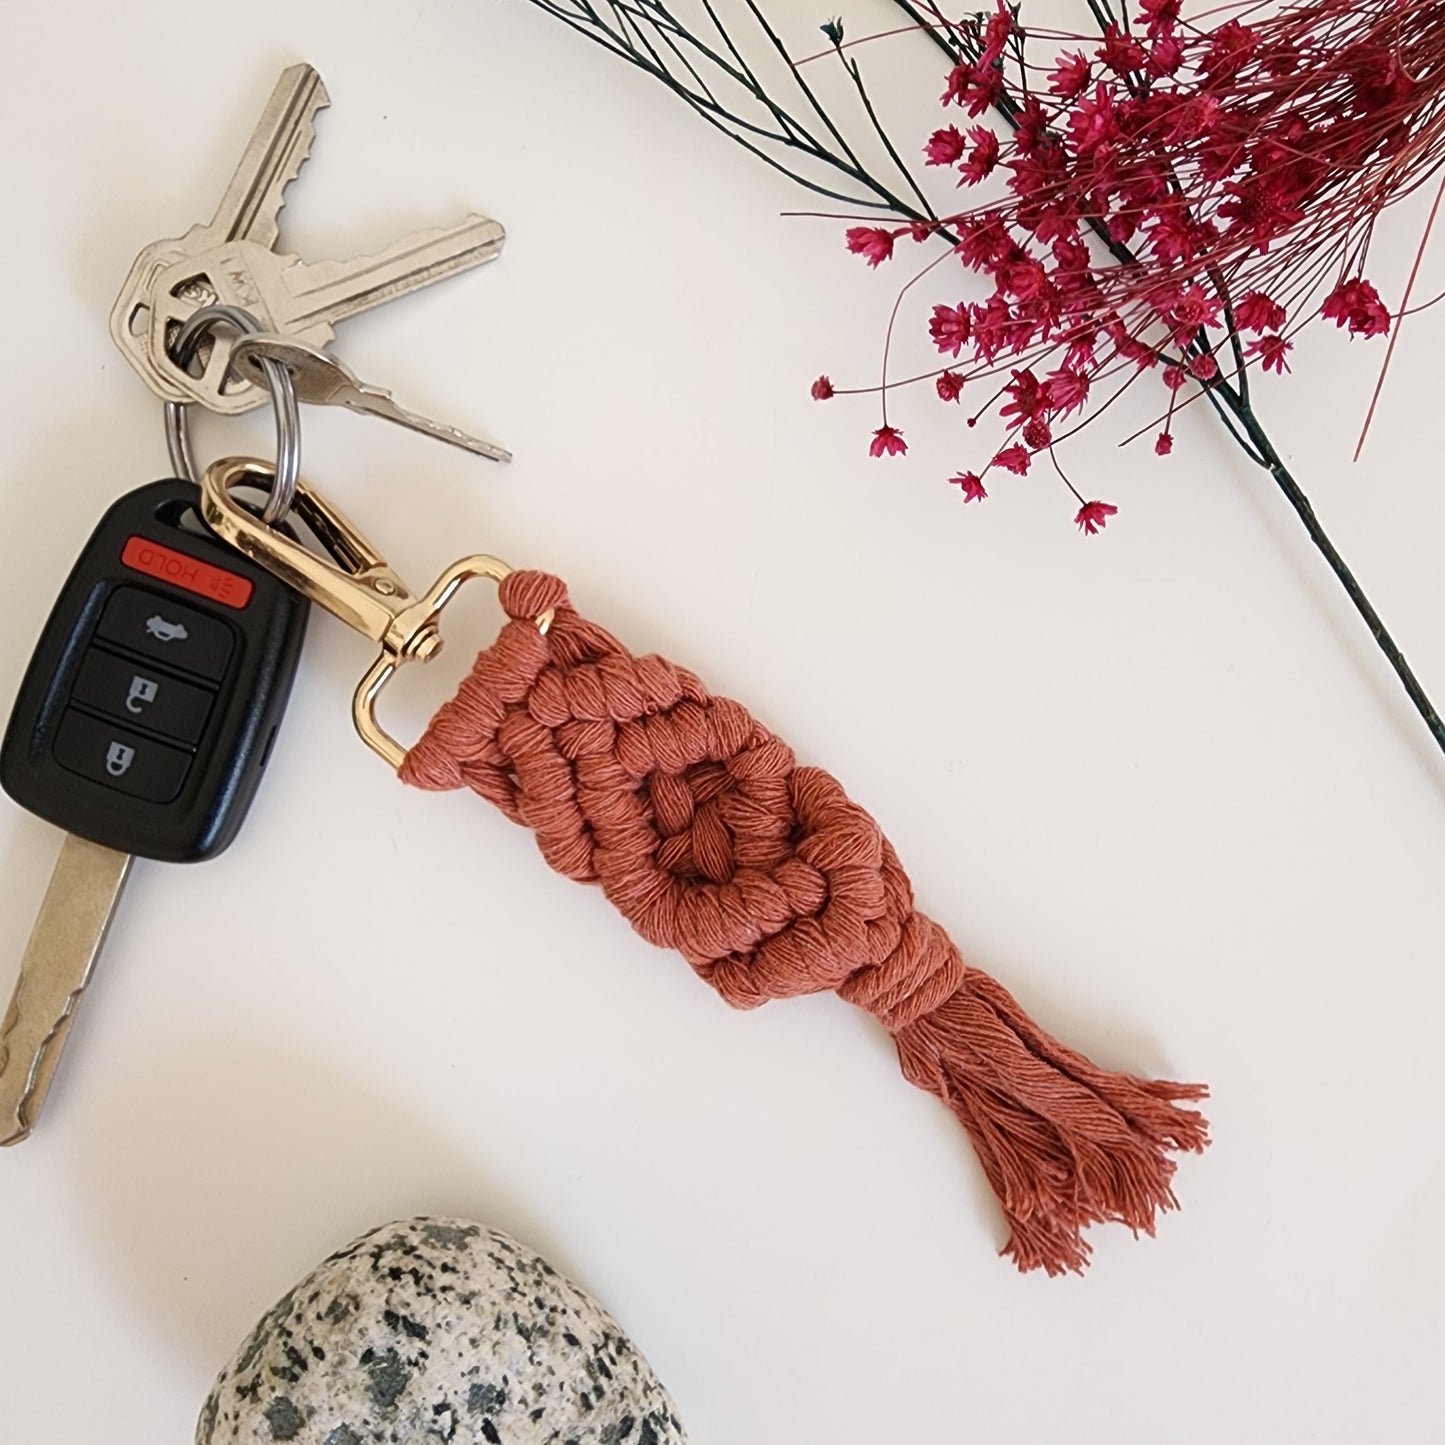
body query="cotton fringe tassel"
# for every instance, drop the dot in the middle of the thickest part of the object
(1064, 1143)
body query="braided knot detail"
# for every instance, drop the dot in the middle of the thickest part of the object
(696, 820)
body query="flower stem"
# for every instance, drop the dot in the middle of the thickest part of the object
(1295, 496)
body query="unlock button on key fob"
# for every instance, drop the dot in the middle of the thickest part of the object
(129, 691)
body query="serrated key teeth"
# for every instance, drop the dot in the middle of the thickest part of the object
(17, 1095)
(479, 446)
(323, 379)
(17, 1111)
(20, 1131)
(54, 972)
(280, 145)
(318, 294)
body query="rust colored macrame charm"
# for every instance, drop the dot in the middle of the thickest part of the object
(707, 835)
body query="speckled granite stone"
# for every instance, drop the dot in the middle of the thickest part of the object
(437, 1330)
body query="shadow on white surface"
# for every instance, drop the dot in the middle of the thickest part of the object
(241, 1167)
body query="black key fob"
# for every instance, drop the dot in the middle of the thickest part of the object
(149, 709)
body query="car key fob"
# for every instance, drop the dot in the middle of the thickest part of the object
(148, 711)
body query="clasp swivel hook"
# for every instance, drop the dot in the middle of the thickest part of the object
(352, 582)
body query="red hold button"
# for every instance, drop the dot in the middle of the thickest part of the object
(181, 570)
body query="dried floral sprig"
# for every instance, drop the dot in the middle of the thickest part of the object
(1182, 198)
(1238, 173)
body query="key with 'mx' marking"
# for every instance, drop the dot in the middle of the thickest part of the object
(232, 260)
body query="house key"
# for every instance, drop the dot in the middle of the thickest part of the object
(321, 379)
(249, 210)
(232, 261)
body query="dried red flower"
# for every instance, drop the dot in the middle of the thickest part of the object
(1068, 390)
(872, 243)
(1191, 310)
(1357, 304)
(887, 441)
(950, 328)
(1160, 16)
(1256, 312)
(982, 157)
(1271, 351)
(1166, 55)
(948, 385)
(1037, 435)
(1092, 516)
(1071, 77)
(945, 146)
(1014, 459)
(1121, 52)
(976, 88)
(971, 484)
(822, 389)
(1027, 399)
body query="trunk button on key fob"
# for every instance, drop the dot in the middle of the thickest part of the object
(148, 622)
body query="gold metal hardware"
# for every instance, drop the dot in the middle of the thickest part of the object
(357, 586)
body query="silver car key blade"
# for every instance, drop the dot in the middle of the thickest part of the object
(249, 211)
(323, 380)
(54, 972)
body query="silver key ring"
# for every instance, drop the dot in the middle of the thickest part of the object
(283, 403)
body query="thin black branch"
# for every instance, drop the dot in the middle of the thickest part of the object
(942, 38)
(1294, 494)
(801, 83)
(851, 66)
(625, 33)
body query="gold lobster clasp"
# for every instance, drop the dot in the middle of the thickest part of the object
(353, 582)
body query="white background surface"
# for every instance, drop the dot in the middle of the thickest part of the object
(1157, 781)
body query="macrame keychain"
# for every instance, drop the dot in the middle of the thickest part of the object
(709, 838)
